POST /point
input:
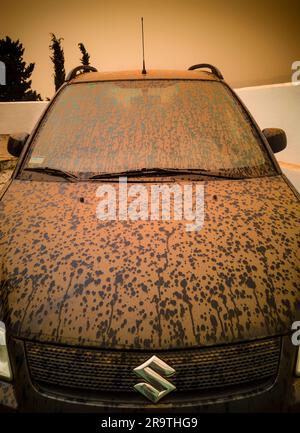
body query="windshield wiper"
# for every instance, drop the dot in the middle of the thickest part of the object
(52, 172)
(159, 171)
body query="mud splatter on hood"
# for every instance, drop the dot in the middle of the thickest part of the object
(67, 277)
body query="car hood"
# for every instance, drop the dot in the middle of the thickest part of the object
(69, 278)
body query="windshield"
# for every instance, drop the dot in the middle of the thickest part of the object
(108, 127)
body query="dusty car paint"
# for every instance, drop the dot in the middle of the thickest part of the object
(7, 395)
(70, 278)
(151, 74)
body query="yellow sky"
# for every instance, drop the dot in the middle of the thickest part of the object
(251, 42)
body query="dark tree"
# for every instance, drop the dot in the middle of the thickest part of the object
(85, 59)
(18, 83)
(58, 60)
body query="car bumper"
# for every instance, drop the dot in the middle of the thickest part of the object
(281, 396)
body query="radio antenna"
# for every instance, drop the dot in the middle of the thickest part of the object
(144, 69)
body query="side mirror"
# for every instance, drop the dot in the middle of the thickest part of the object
(16, 143)
(276, 138)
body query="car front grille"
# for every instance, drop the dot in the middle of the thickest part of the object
(112, 371)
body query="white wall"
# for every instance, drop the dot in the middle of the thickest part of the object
(19, 116)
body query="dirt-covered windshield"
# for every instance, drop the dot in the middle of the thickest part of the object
(107, 127)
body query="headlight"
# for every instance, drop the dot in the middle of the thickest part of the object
(5, 370)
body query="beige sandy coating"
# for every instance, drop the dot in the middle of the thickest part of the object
(67, 277)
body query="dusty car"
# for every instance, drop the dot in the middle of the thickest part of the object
(102, 310)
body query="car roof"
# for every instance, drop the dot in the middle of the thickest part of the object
(151, 74)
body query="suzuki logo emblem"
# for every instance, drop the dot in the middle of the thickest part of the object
(156, 386)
